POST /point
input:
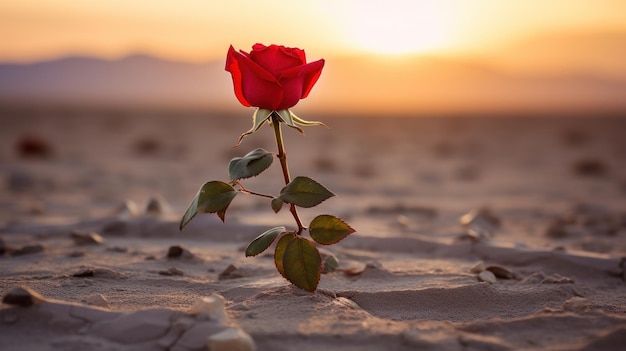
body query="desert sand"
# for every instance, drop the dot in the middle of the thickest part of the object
(501, 233)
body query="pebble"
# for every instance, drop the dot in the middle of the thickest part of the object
(127, 210)
(487, 276)
(28, 249)
(96, 300)
(477, 267)
(590, 167)
(177, 251)
(22, 296)
(576, 304)
(157, 206)
(213, 306)
(231, 339)
(81, 238)
(172, 271)
(33, 146)
(231, 272)
(501, 272)
(480, 222)
(97, 273)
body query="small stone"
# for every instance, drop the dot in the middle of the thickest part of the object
(157, 206)
(213, 306)
(97, 273)
(481, 221)
(590, 167)
(28, 249)
(3, 247)
(177, 251)
(477, 267)
(96, 300)
(576, 304)
(22, 296)
(487, 276)
(128, 209)
(231, 339)
(501, 272)
(172, 271)
(231, 272)
(81, 238)
(34, 146)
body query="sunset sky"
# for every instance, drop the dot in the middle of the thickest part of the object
(491, 31)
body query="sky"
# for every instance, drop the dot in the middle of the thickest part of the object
(490, 32)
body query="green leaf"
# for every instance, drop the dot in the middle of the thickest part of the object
(327, 229)
(329, 263)
(191, 212)
(302, 264)
(263, 241)
(252, 164)
(260, 115)
(279, 252)
(304, 192)
(213, 197)
(277, 204)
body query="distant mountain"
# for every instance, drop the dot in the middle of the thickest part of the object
(353, 85)
(135, 80)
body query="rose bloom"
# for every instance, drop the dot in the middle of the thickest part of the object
(272, 77)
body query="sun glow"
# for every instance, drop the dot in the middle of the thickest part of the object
(399, 27)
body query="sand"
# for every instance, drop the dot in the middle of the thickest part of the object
(472, 234)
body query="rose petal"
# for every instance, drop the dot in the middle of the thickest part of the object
(276, 59)
(232, 66)
(254, 86)
(307, 74)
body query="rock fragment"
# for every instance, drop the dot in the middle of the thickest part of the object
(157, 206)
(501, 272)
(177, 251)
(22, 296)
(487, 276)
(480, 222)
(33, 146)
(211, 306)
(96, 300)
(171, 272)
(230, 272)
(231, 339)
(82, 238)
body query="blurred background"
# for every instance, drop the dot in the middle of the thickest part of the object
(118, 107)
(409, 57)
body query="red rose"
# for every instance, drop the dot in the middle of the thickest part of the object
(272, 77)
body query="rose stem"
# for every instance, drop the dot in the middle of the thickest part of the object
(282, 156)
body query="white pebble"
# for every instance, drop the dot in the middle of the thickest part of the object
(212, 305)
(97, 300)
(230, 339)
(487, 276)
